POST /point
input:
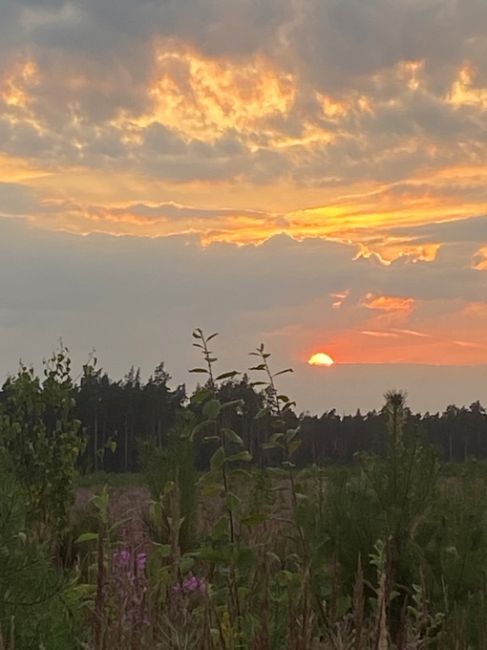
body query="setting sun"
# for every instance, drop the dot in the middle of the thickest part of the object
(321, 359)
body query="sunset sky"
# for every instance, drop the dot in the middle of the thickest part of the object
(307, 173)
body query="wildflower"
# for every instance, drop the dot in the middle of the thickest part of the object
(191, 584)
(122, 558)
(141, 561)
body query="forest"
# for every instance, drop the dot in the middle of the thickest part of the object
(117, 417)
(249, 526)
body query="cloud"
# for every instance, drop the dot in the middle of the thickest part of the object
(480, 259)
(297, 89)
(136, 300)
(315, 169)
(388, 303)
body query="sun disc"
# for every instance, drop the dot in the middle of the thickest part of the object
(321, 359)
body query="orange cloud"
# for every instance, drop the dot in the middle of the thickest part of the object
(339, 298)
(17, 82)
(464, 91)
(388, 303)
(480, 259)
(385, 347)
(253, 106)
(202, 98)
(14, 169)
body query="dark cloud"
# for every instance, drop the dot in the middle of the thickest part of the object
(340, 43)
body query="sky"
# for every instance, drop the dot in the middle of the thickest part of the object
(311, 174)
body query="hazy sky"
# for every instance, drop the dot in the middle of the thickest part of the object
(307, 173)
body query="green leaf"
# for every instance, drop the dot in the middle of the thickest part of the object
(276, 437)
(283, 372)
(211, 409)
(211, 439)
(212, 336)
(169, 487)
(186, 563)
(232, 436)
(245, 556)
(271, 445)
(200, 395)
(164, 550)
(291, 434)
(293, 446)
(86, 537)
(210, 489)
(254, 520)
(287, 464)
(273, 556)
(200, 427)
(288, 405)
(262, 413)
(261, 366)
(276, 472)
(227, 375)
(243, 456)
(217, 459)
(232, 501)
(199, 370)
(220, 529)
(244, 474)
(233, 404)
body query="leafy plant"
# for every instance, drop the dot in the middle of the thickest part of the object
(41, 441)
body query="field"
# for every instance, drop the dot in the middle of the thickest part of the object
(386, 552)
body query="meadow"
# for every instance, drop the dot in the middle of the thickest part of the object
(250, 551)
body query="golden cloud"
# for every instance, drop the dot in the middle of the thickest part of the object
(465, 92)
(17, 82)
(203, 98)
(388, 303)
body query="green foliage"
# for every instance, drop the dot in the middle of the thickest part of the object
(172, 479)
(39, 606)
(40, 440)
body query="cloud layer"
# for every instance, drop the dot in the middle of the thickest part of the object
(313, 169)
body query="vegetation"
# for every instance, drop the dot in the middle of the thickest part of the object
(117, 418)
(251, 527)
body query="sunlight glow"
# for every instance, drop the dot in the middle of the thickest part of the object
(321, 359)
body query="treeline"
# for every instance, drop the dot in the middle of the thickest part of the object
(118, 416)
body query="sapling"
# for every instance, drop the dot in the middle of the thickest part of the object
(287, 441)
(218, 480)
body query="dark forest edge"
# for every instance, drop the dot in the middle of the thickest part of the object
(119, 419)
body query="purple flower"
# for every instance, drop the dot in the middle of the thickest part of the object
(122, 558)
(191, 584)
(129, 562)
(141, 561)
